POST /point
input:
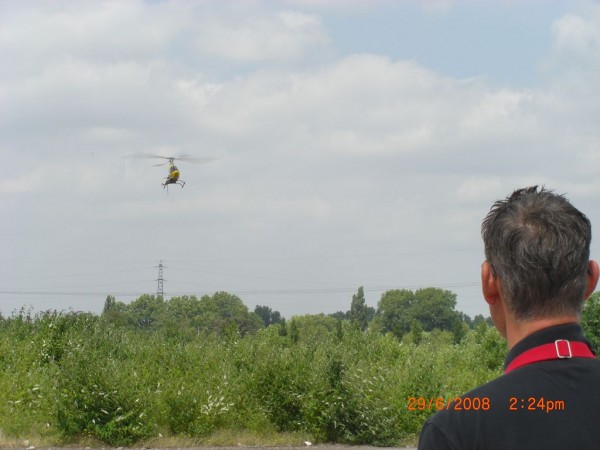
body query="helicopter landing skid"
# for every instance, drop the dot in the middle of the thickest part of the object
(180, 183)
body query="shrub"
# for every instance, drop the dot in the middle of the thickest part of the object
(78, 375)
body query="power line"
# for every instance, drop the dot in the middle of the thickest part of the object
(296, 291)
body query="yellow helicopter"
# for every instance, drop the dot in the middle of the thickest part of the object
(173, 177)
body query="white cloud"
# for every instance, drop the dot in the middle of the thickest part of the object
(37, 35)
(498, 107)
(576, 45)
(36, 179)
(579, 37)
(356, 155)
(267, 36)
(354, 6)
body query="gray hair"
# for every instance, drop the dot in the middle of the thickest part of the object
(538, 244)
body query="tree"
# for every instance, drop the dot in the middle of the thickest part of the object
(115, 312)
(341, 315)
(109, 305)
(460, 329)
(146, 310)
(339, 330)
(183, 309)
(180, 318)
(358, 309)
(394, 311)
(590, 320)
(283, 327)
(313, 327)
(416, 332)
(268, 316)
(223, 312)
(434, 308)
(294, 331)
(370, 313)
(466, 319)
(478, 319)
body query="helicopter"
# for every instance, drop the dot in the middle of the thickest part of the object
(173, 177)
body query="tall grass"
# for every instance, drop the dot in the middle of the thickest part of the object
(67, 377)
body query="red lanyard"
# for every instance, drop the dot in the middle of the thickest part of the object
(559, 349)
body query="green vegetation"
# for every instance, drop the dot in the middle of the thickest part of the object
(590, 320)
(208, 371)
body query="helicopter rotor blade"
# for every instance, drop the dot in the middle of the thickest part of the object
(195, 159)
(147, 156)
(186, 158)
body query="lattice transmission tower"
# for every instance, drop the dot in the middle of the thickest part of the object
(159, 290)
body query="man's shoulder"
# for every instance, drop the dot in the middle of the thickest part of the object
(543, 396)
(542, 378)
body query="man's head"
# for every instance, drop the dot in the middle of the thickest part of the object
(538, 246)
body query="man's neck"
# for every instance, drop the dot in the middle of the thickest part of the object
(516, 331)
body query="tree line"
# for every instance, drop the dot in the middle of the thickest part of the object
(399, 312)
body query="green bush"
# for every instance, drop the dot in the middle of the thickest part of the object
(74, 375)
(100, 387)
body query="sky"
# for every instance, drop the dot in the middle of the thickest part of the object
(356, 143)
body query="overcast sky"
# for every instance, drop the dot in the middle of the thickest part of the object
(358, 143)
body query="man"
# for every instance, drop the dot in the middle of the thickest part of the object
(535, 279)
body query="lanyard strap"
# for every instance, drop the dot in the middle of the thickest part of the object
(559, 349)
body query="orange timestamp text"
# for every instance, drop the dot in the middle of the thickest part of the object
(452, 403)
(535, 404)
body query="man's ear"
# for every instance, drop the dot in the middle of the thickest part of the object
(592, 278)
(490, 284)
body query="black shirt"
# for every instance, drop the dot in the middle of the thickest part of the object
(545, 405)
